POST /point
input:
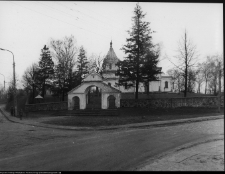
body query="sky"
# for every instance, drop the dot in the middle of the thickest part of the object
(26, 26)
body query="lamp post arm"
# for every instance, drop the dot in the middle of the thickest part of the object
(14, 79)
(8, 51)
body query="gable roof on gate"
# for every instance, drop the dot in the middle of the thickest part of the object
(104, 87)
(93, 77)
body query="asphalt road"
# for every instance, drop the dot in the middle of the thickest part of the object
(28, 148)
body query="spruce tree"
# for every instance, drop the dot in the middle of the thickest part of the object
(82, 64)
(136, 49)
(150, 70)
(46, 66)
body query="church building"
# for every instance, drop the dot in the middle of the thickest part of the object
(101, 91)
(109, 77)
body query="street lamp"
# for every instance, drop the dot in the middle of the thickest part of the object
(14, 82)
(4, 80)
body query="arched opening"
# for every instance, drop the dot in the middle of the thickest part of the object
(76, 101)
(93, 97)
(166, 84)
(111, 101)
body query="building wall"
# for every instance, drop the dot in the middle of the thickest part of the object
(81, 98)
(163, 80)
(105, 101)
(154, 86)
(114, 67)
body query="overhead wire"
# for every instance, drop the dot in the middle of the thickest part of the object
(92, 17)
(60, 20)
(83, 13)
(73, 16)
(99, 14)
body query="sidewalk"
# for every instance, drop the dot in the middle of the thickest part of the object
(134, 125)
(205, 156)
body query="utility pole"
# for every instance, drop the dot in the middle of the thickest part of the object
(14, 83)
(219, 94)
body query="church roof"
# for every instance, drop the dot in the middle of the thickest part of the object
(111, 56)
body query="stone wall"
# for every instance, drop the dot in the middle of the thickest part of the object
(46, 106)
(146, 103)
(170, 102)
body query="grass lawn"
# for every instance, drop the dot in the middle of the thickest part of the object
(134, 115)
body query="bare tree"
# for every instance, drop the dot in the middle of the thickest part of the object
(30, 80)
(191, 80)
(199, 78)
(187, 58)
(64, 52)
(213, 66)
(205, 70)
(177, 79)
(95, 62)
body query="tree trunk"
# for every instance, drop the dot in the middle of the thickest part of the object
(215, 85)
(136, 92)
(147, 86)
(63, 90)
(206, 86)
(137, 80)
(186, 71)
(43, 90)
(33, 94)
(63, 95)
(199, 88)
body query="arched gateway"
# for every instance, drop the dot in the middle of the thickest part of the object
(106, 96)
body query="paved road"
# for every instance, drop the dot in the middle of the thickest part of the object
(29, 148)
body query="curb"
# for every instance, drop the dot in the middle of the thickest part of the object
(134, 125)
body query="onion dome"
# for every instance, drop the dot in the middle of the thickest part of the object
(111, 57)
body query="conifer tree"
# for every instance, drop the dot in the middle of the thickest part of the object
(46, 66)
(150, 70)
(136, 49)
(82, 64)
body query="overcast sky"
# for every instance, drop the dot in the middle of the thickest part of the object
(25, 27)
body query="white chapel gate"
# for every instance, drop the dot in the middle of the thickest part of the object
(79, 95)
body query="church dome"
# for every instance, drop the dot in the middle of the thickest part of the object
(111, 57)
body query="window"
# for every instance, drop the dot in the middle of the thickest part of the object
(110, 66)
(166, 84)
(109, 84)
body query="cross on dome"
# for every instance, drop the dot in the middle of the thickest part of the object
(111, 56)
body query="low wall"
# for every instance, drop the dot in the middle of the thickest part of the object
(170, 102)
(145, 103)
(46, 106)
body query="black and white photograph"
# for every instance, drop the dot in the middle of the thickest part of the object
(111, 86)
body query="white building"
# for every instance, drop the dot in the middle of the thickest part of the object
(109, 94)
(109, 77)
